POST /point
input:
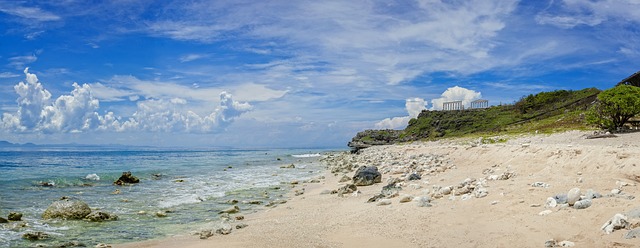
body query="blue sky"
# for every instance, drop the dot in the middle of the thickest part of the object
(288, 73)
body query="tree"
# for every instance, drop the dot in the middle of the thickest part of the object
(615, 106)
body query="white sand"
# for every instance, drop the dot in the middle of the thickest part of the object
(315, 220)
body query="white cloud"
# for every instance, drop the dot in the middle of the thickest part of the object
(20, 62)
(413, 106)
(8, 75)
(31, 13)
(192, 57)
(573, 13)
(455, 93)
(78, 112)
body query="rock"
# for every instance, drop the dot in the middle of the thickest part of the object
(93, 177)
(383, 202)
(231, 210)
(71, 244)
(535, 205)
(573, 196)
(566, 243)
(480, 192)
(405, 198)
(67, 208)
(99, 216)
(349, 188)
(616, 222)
(592, 194)
(616, 191)
(291, 166)
(414, 176)
(582, 204)
(445, 190)
(161, 214)
(465, 197)
(422, 201)
(126, 178)
(561, 198)
(540, 185)
(223, 231)
(631, 234)
(102, 245)
(545, 212)
(550, 243)
(367, 175)
(33, 236)
(325, 192)
(240, 217)
(550, 203)
(3, 220)
(344, 178)
(241, 225)
(205, 234)
(13, 216)
(390, 190)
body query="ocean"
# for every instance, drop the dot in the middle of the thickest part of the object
(191, 186)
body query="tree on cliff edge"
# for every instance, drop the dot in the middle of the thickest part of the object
(615, 106)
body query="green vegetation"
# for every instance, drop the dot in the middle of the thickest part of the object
(545, 112)
(615, 106)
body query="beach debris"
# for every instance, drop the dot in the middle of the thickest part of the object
(93, 177)
(367, 175)
(618, 221)
(14, 216)
(126, 178)
(573, 196)
(33, 236)
(99, 216)
(67, 208)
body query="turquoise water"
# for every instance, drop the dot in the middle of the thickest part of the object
(192, 185)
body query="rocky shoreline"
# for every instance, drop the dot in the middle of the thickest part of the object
(558, 190)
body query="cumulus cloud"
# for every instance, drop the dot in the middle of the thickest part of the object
(413, 106)
(78, 112)
(455, 93)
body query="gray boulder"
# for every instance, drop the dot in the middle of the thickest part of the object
(582, 204)
(367, 175)
(573, 196)
(67, 208)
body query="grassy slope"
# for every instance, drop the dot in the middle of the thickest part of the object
(544, 112)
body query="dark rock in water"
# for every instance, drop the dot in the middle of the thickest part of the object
(3, 220)
(561, 198)
(46, 184)
(35, 236)
(367, 175)
(100, 217)
(67, 208)
(126, 178)
(414, 176)
(71, 244)
(13, 216)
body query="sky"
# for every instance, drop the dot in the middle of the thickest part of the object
(246, 74)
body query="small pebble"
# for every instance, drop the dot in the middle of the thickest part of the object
(545, 212)
(383, 202)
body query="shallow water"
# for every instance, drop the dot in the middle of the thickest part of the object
(193, 186)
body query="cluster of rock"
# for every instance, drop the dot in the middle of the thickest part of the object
(13, 216)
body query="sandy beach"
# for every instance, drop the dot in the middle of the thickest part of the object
(469, 195)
